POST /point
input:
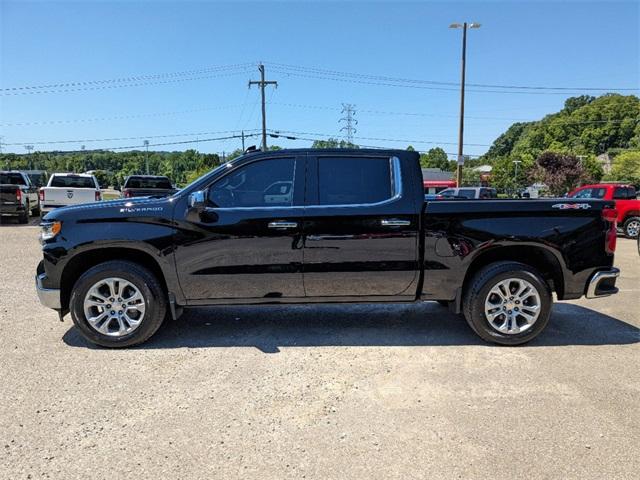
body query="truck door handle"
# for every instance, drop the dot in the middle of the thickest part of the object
(282, 224)
(394, 222)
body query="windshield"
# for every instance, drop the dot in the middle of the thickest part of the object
(220, 167)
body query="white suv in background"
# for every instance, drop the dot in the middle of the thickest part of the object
(482, 193)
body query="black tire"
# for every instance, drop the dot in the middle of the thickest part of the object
(36, 211)
(631, 227)
(24, 216)
(478, 289)
(145, 281)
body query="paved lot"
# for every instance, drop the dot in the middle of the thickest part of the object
(318, 392)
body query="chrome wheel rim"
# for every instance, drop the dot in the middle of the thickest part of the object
(114, 307)
(512, 306)
(633, 228)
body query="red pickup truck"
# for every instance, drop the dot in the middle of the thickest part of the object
(625, 197)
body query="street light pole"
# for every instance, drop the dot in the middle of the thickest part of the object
(464, 27)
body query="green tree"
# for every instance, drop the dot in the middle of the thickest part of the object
(626, 168)
(436, 158)
(585, 126)
(470, 177)
(504, 178)
(333, 143)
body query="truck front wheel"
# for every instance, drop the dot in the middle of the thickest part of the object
(507, 303)
(631, 227)
(117, 304)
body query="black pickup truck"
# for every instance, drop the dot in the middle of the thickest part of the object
(295, 226)
(147, 186)
(18, 196)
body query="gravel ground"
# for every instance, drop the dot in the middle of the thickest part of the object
(323, 392)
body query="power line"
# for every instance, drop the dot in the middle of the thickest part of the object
(293, 105)
(440, 115)
(137, 147)
(123, 85)
(381, 139)
(324, 71)
(421, 87)
(377, 147)
(129, 79)
(118, 117)
(53, 142)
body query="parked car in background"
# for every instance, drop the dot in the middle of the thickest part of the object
(433, 187)
(315, 225)
(18, 196)
(66, 189)
(470, 193)
(147, 186)
(625, 198)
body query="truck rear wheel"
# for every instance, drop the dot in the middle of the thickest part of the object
(117, 304)
(24, 216)
(507, 303)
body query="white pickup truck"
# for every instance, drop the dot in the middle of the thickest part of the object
(66, 189)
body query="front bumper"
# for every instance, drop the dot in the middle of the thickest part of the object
(49, 297)
(603, 283)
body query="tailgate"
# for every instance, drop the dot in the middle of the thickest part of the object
(60, 196)
(8, 195)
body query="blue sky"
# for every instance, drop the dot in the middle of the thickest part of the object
(557, 44)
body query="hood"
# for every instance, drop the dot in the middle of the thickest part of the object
(135, 206)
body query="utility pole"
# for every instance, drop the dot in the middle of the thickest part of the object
(517, 162)
(243, 141)
(464, 27)
(349, 111)
(146, 158)
(263, 83)
(29, 149)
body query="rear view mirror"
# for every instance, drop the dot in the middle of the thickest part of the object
(197, 200)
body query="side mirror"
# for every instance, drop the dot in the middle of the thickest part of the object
(197, 200)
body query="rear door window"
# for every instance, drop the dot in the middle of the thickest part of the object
(621, 193)
(354, 180)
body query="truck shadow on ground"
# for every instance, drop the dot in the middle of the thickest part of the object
(269, 328)
(13, 222)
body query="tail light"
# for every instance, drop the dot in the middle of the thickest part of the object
(41, 195)
(19, 195)
(610, 215)
(98, 195)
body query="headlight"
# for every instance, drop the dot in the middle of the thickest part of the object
(50, 230)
